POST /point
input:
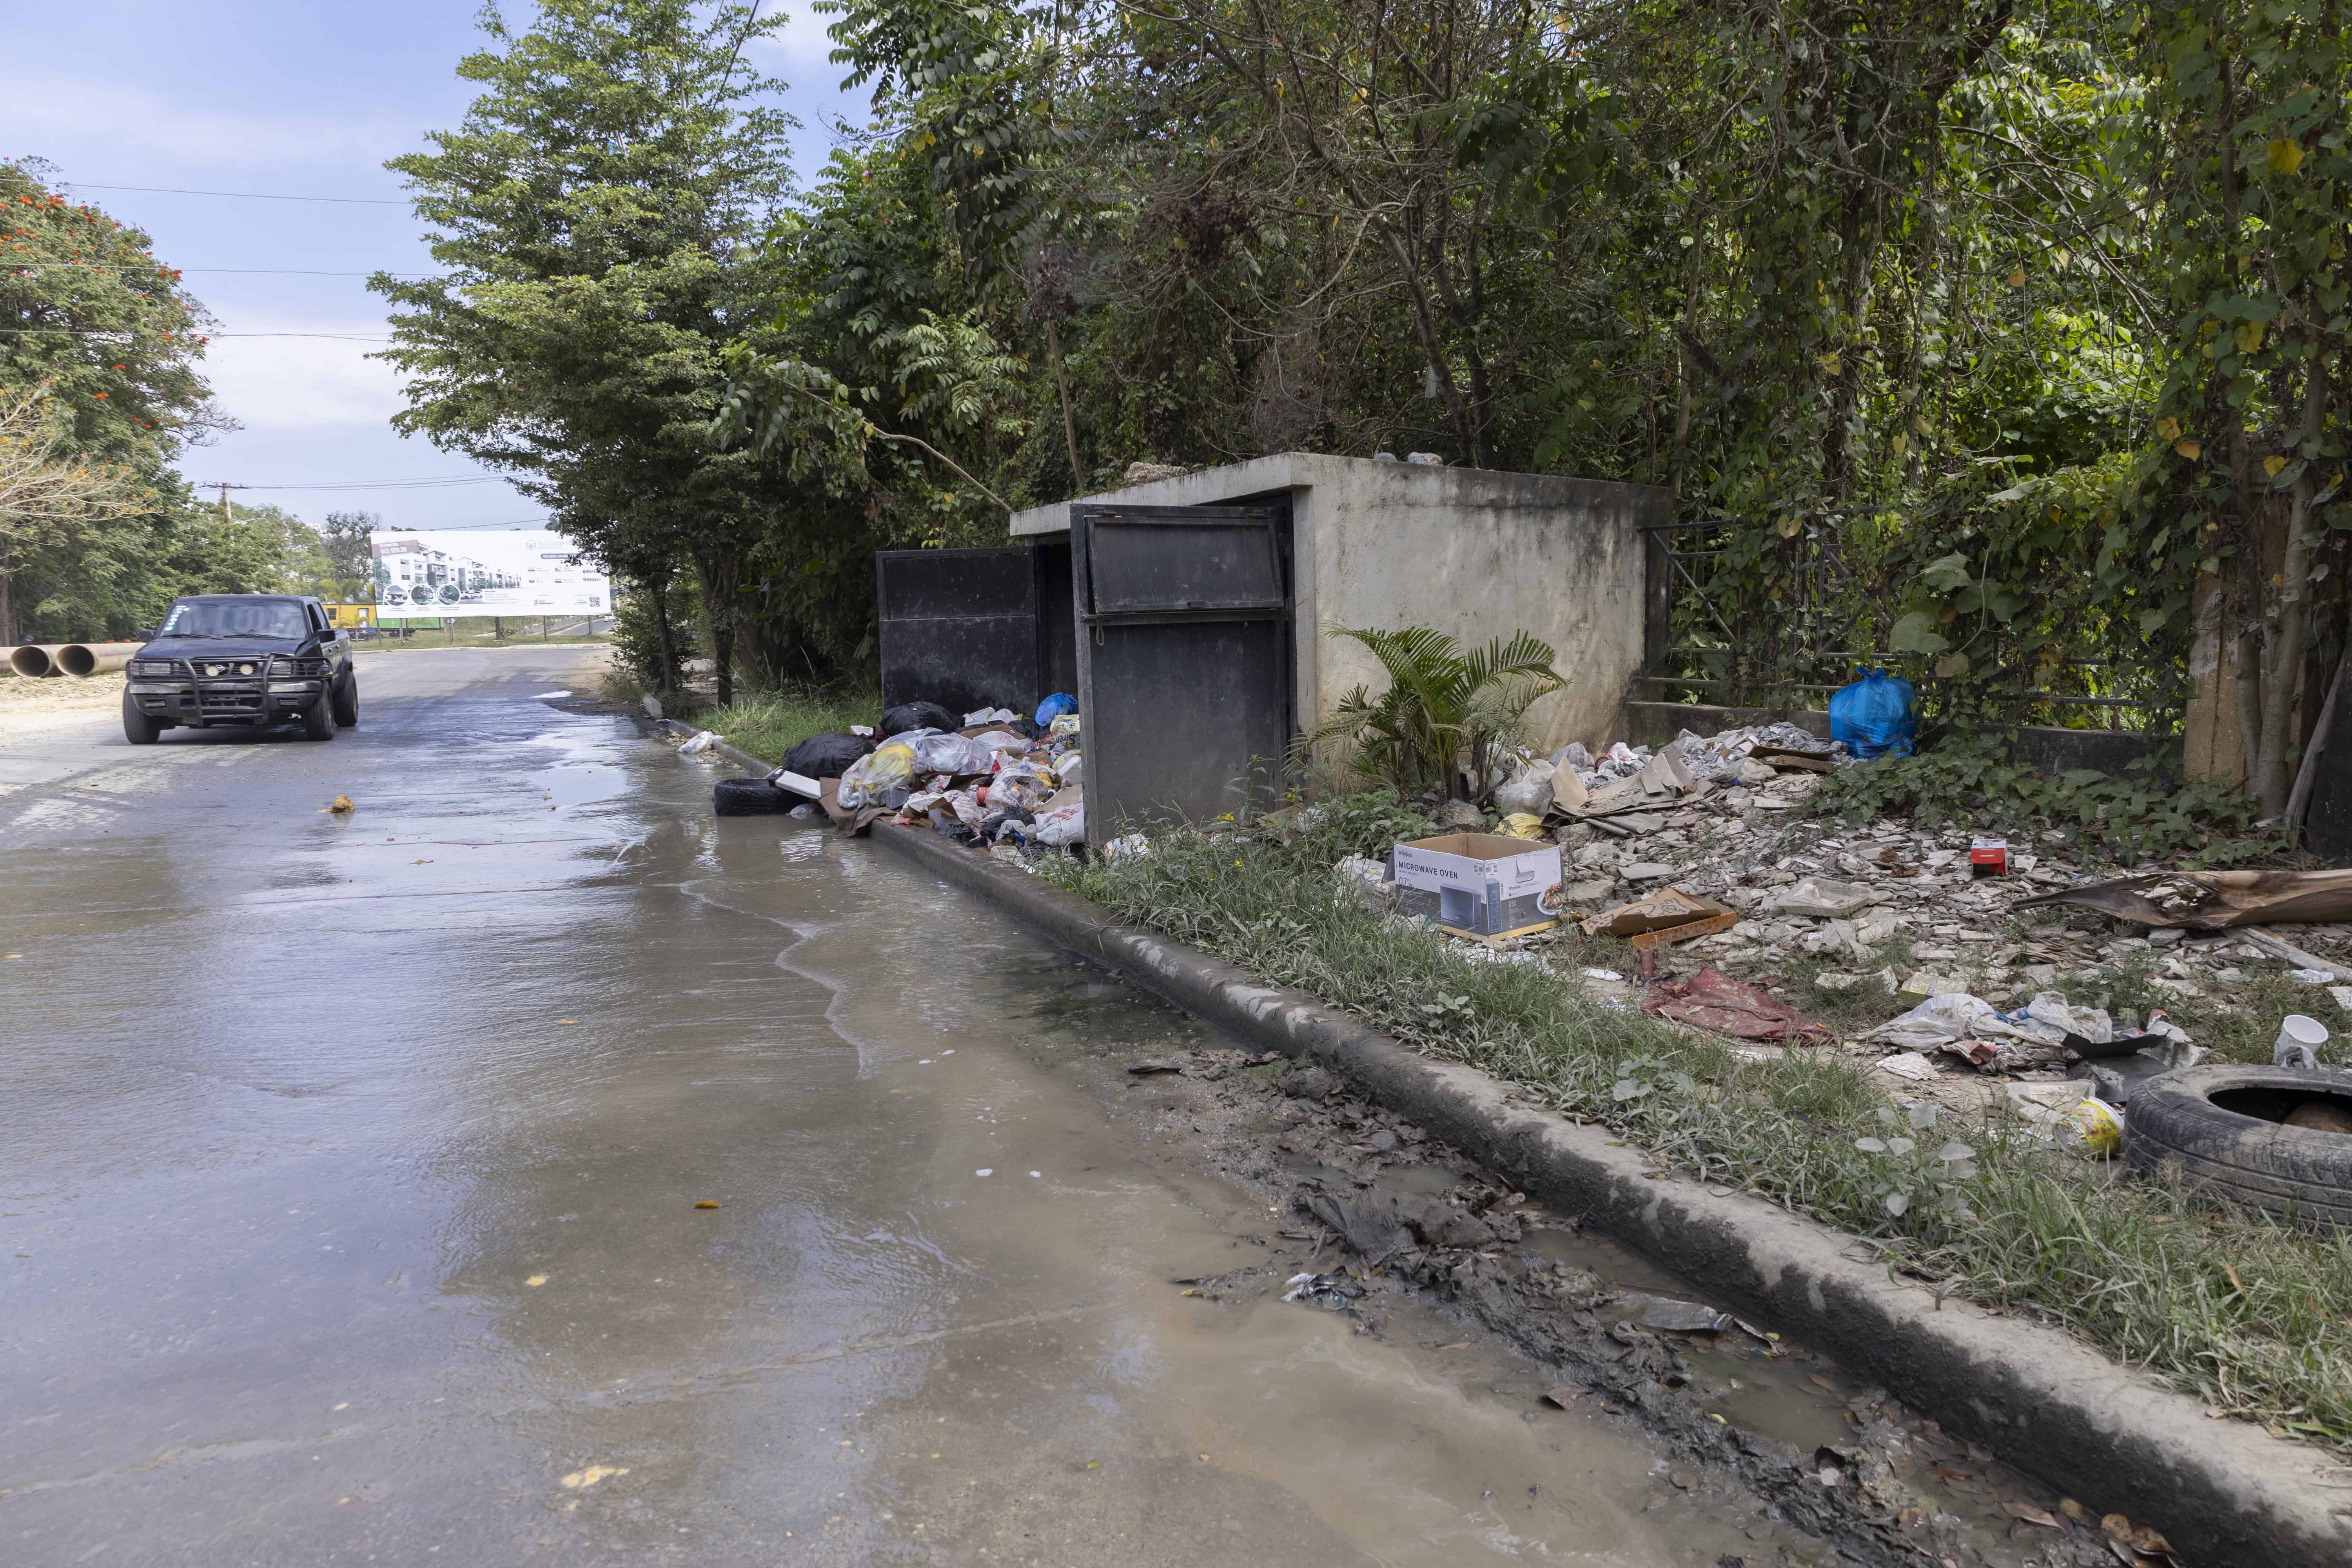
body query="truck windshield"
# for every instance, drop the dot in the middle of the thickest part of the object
(234, 618)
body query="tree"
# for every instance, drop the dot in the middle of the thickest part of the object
(595, 212)
(350, 557)
(99, 347)
(56, 509)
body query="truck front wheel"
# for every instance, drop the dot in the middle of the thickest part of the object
(137, 728)
(346, 693)
(319, 718)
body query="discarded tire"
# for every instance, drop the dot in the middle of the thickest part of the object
(2225, 1126)
(826, 756)
(751, 797)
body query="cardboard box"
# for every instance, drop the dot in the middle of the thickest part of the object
(1479, 884)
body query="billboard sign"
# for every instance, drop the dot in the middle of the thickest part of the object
(463, 572)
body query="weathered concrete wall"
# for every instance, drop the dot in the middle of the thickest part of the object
(1475, 553)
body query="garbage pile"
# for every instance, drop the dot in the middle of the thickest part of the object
(996, 780)
(1698, 856)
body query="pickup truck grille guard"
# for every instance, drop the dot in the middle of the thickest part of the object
(242, 696)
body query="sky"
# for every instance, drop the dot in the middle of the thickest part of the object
(288, 98)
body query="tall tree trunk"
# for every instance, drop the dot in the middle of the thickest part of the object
(658, 587)
(718, 614)
(1069, 425)
(2282, 653)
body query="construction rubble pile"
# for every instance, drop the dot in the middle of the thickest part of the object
(1700, 855)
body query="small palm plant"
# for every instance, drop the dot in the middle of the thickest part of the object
(1443, 708)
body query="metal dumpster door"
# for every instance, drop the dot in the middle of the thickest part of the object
(960, 627)
(1185, 657)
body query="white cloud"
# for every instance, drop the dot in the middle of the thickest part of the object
(799, 41)
(193, 133)
(303, 383)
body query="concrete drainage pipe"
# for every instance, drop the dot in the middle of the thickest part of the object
(95, 659)
(35, 659)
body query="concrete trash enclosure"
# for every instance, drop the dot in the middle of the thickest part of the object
(1216, 627)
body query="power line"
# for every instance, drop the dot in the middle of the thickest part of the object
(244, 196)
(133, 332)
(244, 271)
(430, 481)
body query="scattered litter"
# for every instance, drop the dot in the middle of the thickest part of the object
(1479, 884)
(1145, 1068)
(1821, 899)
(985, 1170)
(700, 742)
(1722, 1005)
(1988, 856)
(2095, 1127)
(341, 805)
(2298, 1042)
(1909, 1064)
(708, 1204)
(2214, 901)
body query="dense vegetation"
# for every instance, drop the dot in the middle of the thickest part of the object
(2006, 335)
(99, 392)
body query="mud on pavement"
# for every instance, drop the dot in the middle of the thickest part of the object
(1371, 1219)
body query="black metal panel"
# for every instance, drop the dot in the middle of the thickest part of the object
(2328, 823)
(1186, 668)
(960, 627)
(1153, 560)
(1058, 617)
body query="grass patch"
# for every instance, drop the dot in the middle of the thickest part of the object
(2192, 823)
(2253, 1316)
(770, 723)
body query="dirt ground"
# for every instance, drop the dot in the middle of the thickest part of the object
(1367, 1213)
(59, 694)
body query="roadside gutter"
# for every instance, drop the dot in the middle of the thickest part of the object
(2223, 1491)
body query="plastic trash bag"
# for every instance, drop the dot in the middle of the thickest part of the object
(1062, 825)
(1875, 716)
(883, 769)
(1004, 743)
(1528, 792)
(1054, 707)
(988, 716)
(917, 716)
(1070, 768)
(826, 756)
(1021, 787)
(952, 754)
(702, 742)
(1064, 724)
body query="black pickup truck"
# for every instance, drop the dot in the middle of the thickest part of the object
(252, 659)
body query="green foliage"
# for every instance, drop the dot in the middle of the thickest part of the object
(594, 217)
(2195, 822)
(1442, 705)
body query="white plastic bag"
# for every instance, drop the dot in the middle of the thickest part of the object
(952, 754)
(1062, 825)
(699, 743)
(1529, 793)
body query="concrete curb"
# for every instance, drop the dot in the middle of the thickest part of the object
(2224, 1492)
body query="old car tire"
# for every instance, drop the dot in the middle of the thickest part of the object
(2222, 1126)
(750, 797)
(319, 718)
(346, 693)
(137, 728)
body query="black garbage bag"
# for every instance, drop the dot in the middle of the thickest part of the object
(1027, 728)
(751, 797)
(917, 716)
(826, 756)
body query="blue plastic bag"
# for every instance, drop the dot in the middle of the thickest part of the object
(1875, 716)
(1054, 707)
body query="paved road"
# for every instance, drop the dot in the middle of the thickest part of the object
(349, 1168)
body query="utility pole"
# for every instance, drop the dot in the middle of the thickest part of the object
(223, 491)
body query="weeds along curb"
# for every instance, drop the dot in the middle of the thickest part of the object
(2223, 1491)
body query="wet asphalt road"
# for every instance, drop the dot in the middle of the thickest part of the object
(349, 1165)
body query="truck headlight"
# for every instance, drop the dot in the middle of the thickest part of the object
(151, 667)
(293, 686)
